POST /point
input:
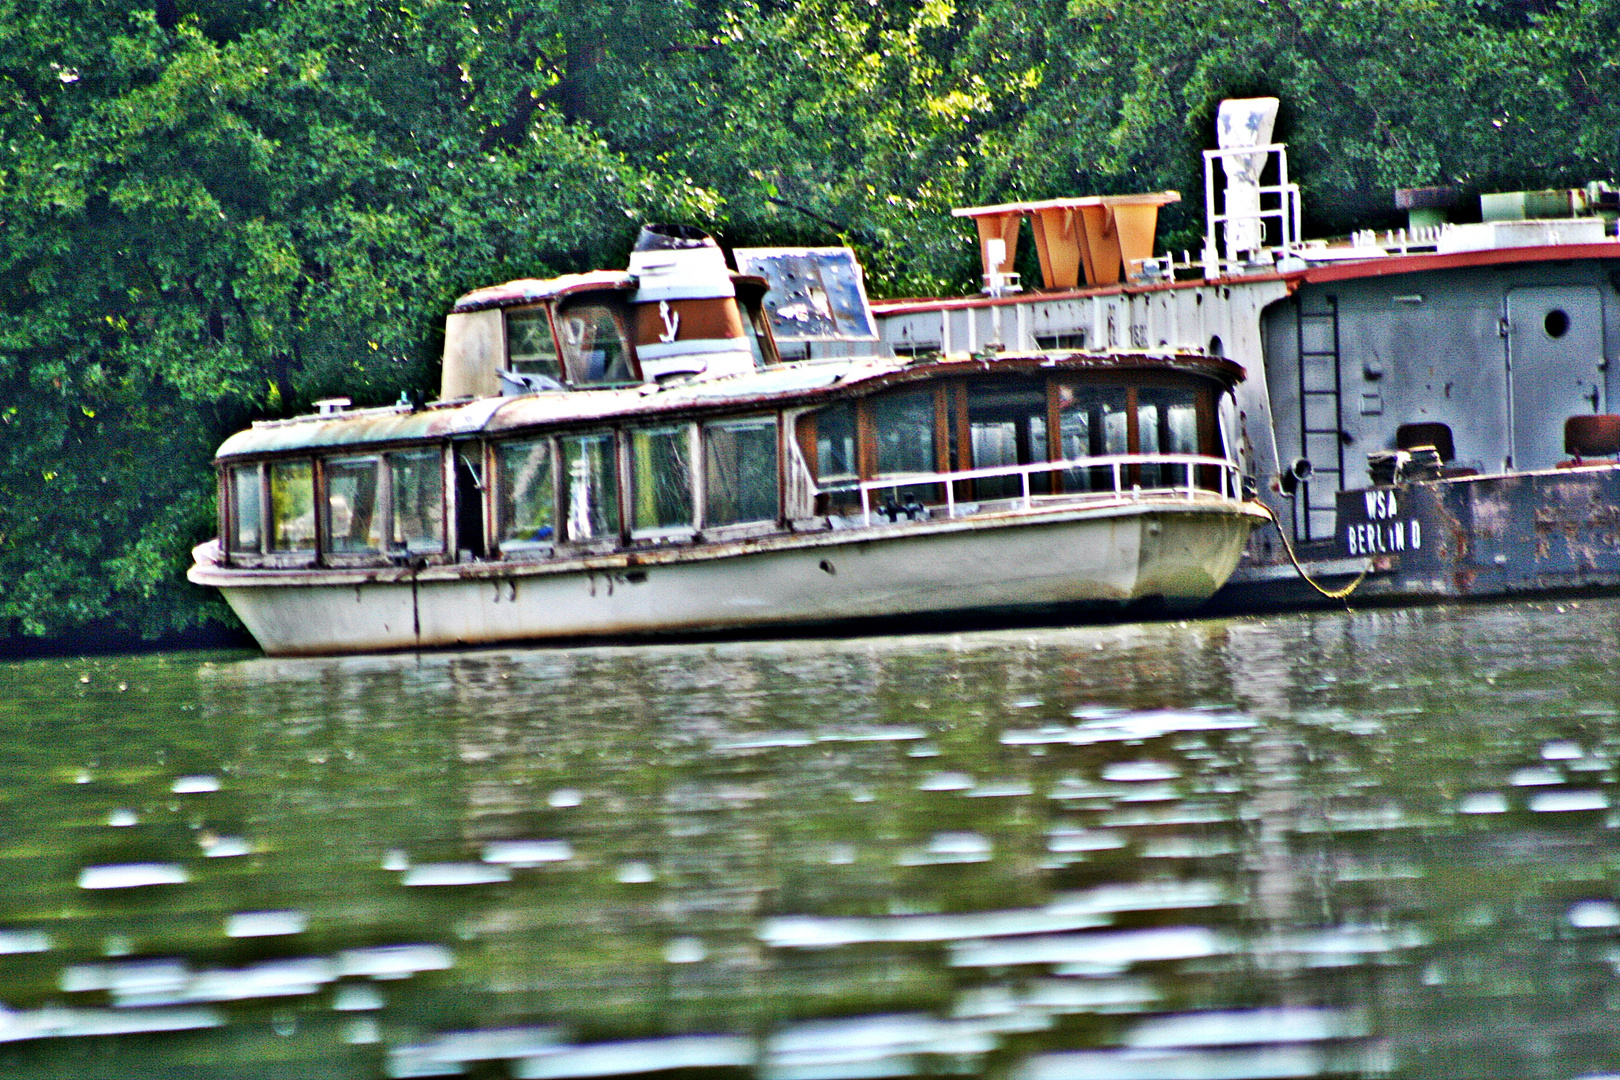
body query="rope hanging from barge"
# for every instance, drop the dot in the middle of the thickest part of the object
(1331, 594)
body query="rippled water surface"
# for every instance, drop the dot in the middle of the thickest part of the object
(1349, 845)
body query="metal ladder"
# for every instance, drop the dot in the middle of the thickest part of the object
(1321, 440)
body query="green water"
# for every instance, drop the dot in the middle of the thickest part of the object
(1349, 844)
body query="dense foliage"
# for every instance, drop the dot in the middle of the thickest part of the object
(214, 211)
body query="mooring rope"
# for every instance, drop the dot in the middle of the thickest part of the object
(1331, 594)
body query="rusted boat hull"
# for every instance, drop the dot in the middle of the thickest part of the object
(1111, 554)
(1548, 532)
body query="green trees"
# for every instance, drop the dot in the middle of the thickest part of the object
(209, 218)
(1104, 95)
(211, 212)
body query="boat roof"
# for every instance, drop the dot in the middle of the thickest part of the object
(1337, 269)
(773, 387)
(533, 290)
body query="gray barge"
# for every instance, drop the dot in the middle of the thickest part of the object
(1429, 412)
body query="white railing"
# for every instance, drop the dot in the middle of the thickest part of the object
(1279, 201)
(1117, 467)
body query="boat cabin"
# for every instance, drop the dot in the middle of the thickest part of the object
(840, 444)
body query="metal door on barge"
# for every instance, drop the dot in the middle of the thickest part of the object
(1554, 356)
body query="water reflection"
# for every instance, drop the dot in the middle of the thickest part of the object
(1352, 845)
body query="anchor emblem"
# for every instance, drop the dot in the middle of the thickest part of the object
(672, 322)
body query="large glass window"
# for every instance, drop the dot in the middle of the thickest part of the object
(1167, 423)
(903, 427)
(418, 489)
(1092, 422)
(740, 471)
(292, 506)
(593, 344)
(353, 508)
(527, 511)
(530, 348)
(245, 525)
(590, 477)
(903, 431)
(1007, 426)
(661, 479)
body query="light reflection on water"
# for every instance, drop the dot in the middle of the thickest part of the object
(1364, 844)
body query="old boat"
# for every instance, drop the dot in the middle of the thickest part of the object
(1429, 411)
(630, 454)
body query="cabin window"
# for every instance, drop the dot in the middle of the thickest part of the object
(526, 514)
(246, 511)
(1007, 426)
(903, 441)
(353, 506)
(740, 472)
(661, 480)
(590, 477)
(751, 330)
(530, 348)
(1093, 421)
(829, 440)
(417, 477)
(1166, 423)
(594, 349)
(903, 430)
(835, 443)
(292, 506)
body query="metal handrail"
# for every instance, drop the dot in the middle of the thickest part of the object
(1288, 211)
(1231, 480)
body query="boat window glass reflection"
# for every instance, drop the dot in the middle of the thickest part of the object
(1167, 423)
(590, 476)
(903, 426)
(828, 439)
(353, 506)
(661, 480)
(1147, 439)
(527, 504)
(835, 443)
(292, 506)
(1007, 426)
(418, 497)
(245, 524)
(593, 345)
(740, 472)
(1092, 422)
(530, 348)
(751, 331)
(903, 431)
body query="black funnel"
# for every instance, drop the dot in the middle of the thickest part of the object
(666, 237)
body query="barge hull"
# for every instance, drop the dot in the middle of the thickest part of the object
(1551, 532)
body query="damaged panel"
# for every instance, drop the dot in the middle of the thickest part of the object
(816, 294)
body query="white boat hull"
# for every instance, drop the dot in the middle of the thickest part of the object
(1109, 554)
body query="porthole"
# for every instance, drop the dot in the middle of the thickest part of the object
(1556, 323)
